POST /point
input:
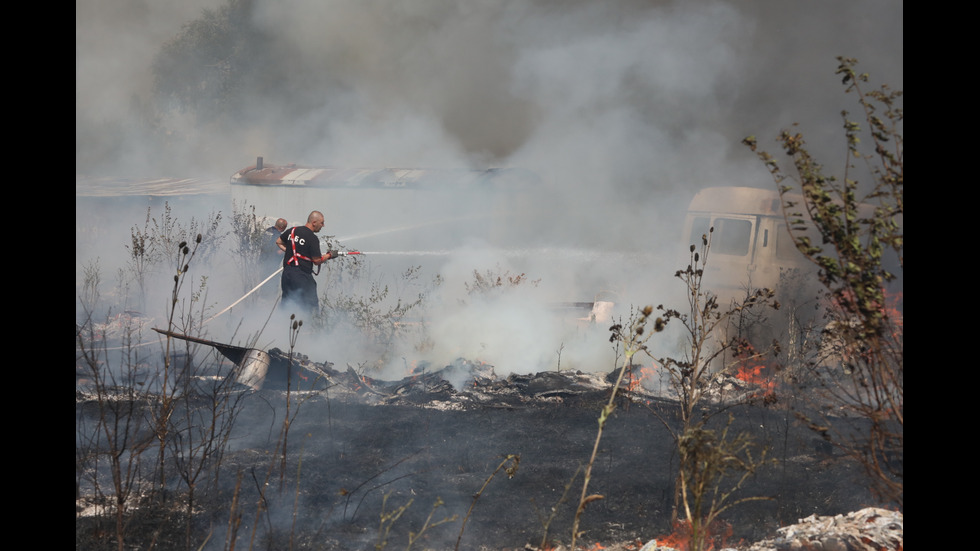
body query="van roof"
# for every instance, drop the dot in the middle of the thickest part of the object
(752, 201)
(737, 200)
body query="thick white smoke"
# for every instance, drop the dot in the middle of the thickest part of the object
(625, 109)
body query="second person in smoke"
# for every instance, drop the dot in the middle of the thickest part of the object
(301, 252)
(271, 252)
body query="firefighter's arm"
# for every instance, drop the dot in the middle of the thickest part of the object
(280, 244)
(324, 258)
(334, 254)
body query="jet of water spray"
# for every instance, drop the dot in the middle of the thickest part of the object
(408, 253)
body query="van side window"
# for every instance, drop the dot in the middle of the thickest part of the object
(732, 236)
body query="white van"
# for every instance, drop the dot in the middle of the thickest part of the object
(750, 246)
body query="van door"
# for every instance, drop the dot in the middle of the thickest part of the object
(769, 245)
(731, 259)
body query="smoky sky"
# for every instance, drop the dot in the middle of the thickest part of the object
(625, 108)
(637, 92)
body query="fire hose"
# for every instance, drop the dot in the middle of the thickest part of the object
(266, 280)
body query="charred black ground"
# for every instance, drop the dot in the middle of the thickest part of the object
(358, 449)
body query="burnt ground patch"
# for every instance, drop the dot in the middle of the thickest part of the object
(351, 464)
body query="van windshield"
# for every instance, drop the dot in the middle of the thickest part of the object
(731, 235)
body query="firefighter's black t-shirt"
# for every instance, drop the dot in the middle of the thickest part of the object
(307, 247)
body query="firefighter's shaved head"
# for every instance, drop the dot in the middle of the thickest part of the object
(315, 221)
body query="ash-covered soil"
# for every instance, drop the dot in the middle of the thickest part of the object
(381, 465)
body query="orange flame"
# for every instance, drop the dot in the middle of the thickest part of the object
(751, 371)
(637, 376)
(680, 538)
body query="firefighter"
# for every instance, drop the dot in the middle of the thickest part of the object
(301, 252)
(271, 252)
